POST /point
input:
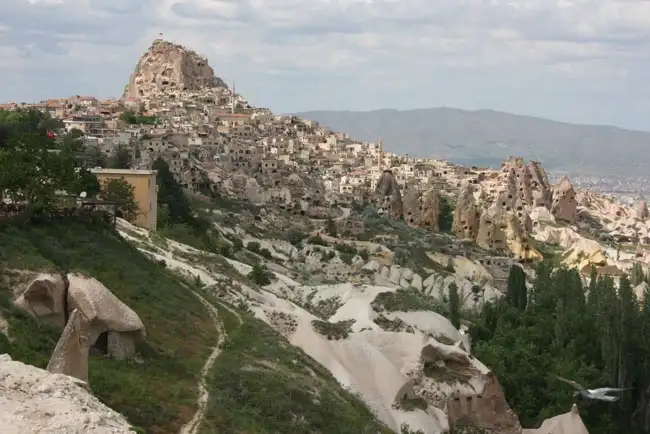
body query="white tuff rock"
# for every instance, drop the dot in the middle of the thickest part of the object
(36, 401)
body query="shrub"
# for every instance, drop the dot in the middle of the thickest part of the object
(294, 236)
(333, 330)
(318, 240)
(260, 275)
(253, 246)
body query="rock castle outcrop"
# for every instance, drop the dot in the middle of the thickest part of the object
(167, 68)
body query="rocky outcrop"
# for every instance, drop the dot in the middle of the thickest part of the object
(466, 215)
(388, 196)
(540, 186)
(412, 208)
(641, 210)
(567, 423)
(491, 233)
(518, 241)
(422, 210)
(36, 401)
(70, 356)
(431, 210)
(89, 314)
(564, 206)
(485, 410)
(168, 68)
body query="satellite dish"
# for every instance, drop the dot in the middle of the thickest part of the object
(83, 195)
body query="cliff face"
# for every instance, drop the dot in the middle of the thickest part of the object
(167, 68)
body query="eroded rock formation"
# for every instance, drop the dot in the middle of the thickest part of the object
(36, 401)
(491, 233)
(466, 215)
(89, 314)
(567, 423)
(388, 196)
(431, 210)
(540, 186)
(167, 68)
(641, 210)
(564, 206)
(70, 356)
(412, 207)
(485, 410)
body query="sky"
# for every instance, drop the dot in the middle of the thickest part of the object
(584, 61)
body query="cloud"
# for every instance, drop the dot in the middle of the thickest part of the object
(550, 58)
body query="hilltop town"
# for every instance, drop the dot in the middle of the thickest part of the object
(380, 268)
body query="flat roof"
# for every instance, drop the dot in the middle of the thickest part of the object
(99, 170)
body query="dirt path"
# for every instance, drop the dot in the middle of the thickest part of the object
(232, 311)
(192, 427)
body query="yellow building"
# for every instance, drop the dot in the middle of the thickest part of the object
(144, 190)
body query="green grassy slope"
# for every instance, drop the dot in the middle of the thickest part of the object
(260, 384)
(263, 385)
(157, 395)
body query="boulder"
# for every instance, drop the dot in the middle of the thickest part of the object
(37, 401)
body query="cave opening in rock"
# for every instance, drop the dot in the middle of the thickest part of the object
(100, 347)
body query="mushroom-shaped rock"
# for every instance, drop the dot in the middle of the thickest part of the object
(388, 196)
(564, 205)
(106, 314)
(44, 298)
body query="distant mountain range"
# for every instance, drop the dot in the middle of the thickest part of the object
(486, 137)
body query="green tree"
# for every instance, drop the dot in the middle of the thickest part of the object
(170, 194)
(446, 215)
(87, 182)
(72, 141)
(121, 158)
(637, 275)
(517, 292)
(330, 227)
(29, 171)
(120, 191)
(454, 305)
(260, 275)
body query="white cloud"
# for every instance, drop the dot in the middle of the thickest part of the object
(301, 54)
